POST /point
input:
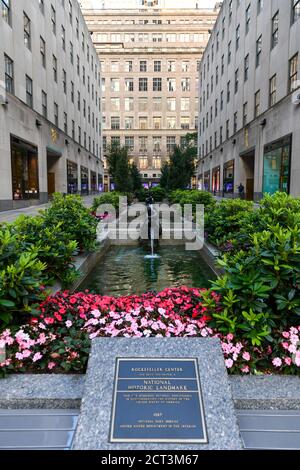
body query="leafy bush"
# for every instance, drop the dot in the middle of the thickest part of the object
(77, 222)
(21, 274)
(158, 193)
(112, 199)
(260, 290)
(193, 197)
(224, 221)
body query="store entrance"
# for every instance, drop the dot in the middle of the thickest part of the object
(248, 160)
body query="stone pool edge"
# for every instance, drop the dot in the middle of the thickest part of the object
(54, 391)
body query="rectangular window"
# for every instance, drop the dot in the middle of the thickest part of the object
(43, 51)
(56, 114)
(171, 142)
(9, 75)
(248, 18)
(65, 123)
(115, 104)
(229, 52)
(276, 173)
(25, 180)
(143, 104)
(129, 143)
(237, 37)
(114, 66)
(171, 84)
(258, 50)
(171, 65)
(185, 104)
(171, 122)
(6, 11)
(260, 4)
(236, 81)
(27, 31)
(143, 66)
(157, 84)
(222, 64)
(295, 10)
(143, 84)
(143, 144)
(157, 122)
(129, 122)
(293, 73)
(157, 66)
(185, 84)
(129, 103)
(228, 91)
(115, 122)
(70, 12)
(157, 104)
(223, 28)
(275, 30)
(44, 105)
(129, 84)
(72, 92)
(128, 66)
(114, 85)
(246, 68)
(54, 67)
(71, 53)
(171, 104)
(29, 92)
(273, 88)
(184, 122)
(257, 104)
(63, 37)
(143, 123)
(185, 66)
(227, 129)
(245, 114)
(53, 19)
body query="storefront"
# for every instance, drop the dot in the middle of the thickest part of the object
(84, 176)
(216, 179)
(207, 181)
(200, 182)
(100, 183)
(24, 163)
(277, 163)
(72, 177)
(93, 181)
(228, 177)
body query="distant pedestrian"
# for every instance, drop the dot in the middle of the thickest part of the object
(241, 190)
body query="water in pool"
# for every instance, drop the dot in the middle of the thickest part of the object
(125, 271)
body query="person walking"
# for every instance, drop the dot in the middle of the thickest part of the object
(241, 190)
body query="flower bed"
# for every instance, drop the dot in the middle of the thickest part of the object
(59, 338)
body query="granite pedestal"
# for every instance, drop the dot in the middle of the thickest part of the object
(94, 424)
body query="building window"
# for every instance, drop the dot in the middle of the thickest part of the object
(223, 28)
(228, 177)
(260, 4)
(25, 179)
(258, 50)
(82, 42)
(53, 19)
(157, 66)
(257, 104)
(64, 80)
(276, 173)
(295, 10)
(128, 66)
(63, 37)
(227, 129)
(56, 114)
(65, 123)
(235, 122)
(171, 142)
(143, 84)
(129, 122)
(184, 122)
(228, 91)
(157, 104)
(77, 28)
(143, 104)
(54, 66)
(9, 75)
(143, 123)
(78, 101)
(275, 30)
(185, 66)
(129, 84)
(248, 18)
(236, 81)
(272, 93)
(229, 52)
(171, 65)
(143, 144)
(222, 101)
(245, 114)
(222, 64)
(27, 31)
(143, 66)
(6, 11)
(114, 85)
(293, 73)
(171, 84)
(114, 66)
(29, 92)
(237, 37)
(73, 130)
(115, 122)
(246, 68)
(129, 143)
(44, 104)
(171, 104)
(230, 11)
(70, 12)
(72, 92)
(71, 53)
(157, 84)
(185, 84)
(157, 122)
(115, 104)
(185, 104)
(129, 104)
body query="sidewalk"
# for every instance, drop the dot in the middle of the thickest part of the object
(11, 216)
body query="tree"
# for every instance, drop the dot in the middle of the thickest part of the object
(135, 178)
(122, 178)
(165, 176)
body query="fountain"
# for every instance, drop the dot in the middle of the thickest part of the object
(152, 216)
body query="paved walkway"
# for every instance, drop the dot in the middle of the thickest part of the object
(11, 216)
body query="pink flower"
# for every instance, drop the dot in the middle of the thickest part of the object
(51, 365)
(286, 334)
(229, 337)
(229, 363)
(277, 362)
(288, 361)
(26, 353)
(297, 359)
(68, 323)
(37, 357)
(19, 356)
(246, 356)
(245, 369)
(285, 345)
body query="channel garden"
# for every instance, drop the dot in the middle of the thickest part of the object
(253, 306)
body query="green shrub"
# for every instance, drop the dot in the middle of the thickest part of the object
(158, 193)
(76, 220)
(112, 199)
(260, 288)
(21, 274)
(224, 220)
(193, 197)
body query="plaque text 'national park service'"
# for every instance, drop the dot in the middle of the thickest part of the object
(157, 400)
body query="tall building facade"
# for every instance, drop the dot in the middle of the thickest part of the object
(150, 59)
(249, 106)
(50, 103)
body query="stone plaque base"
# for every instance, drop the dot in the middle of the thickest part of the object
(95, 421)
